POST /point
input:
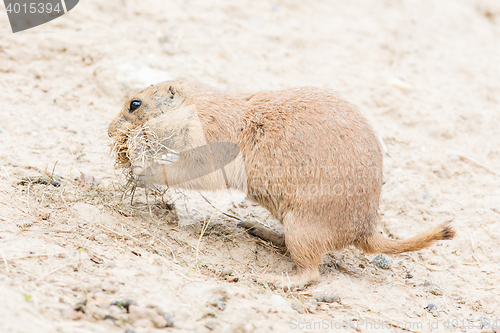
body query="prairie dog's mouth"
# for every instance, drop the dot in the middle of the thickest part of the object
(140, 148)
(119, 149)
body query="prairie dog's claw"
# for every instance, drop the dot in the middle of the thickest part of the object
(137, 170)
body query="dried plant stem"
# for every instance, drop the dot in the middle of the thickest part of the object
(5, 262)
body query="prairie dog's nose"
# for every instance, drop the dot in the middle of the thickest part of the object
(114, 126)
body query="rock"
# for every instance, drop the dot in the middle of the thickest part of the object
(298, 307)
(382, 261)
(232, 279)
(219, 303)
(159, 321)
(400, 83)
(99, 314)
(279, 301)
(484, 322)
(431, 307)
(111, 318)
(44, 214)
(124, 303)
(117, 313)
(81, 306)
(327, 298)
(312, 305)
(318, 297)
(433, 288)
(211, 324)
(139, 78)
(408, 275)
(169, 318)
(331, 299)
(138, 315)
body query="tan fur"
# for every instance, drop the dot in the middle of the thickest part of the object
(306, 155)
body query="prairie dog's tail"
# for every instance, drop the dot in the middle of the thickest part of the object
(382, 244)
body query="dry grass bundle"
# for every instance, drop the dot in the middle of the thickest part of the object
(141, 146)
(119, 149)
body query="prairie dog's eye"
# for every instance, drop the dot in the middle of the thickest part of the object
(134, 105)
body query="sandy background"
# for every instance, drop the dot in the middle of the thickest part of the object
(425, 73)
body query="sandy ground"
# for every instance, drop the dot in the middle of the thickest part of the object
(425, 73)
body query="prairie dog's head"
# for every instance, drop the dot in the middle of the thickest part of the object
(150, 103)
(163, 114)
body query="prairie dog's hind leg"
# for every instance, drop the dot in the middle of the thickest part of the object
(306, 243)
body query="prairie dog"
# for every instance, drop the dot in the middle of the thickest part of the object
(304, 154)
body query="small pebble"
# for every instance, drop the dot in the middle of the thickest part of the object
(298, 307)
(170, 320)
(211, 324)
(108, 317)
(400, 83)
(142, 314)
(227, 272)
(408, 275)
(115, 312)
(431, 307)
(331, 299)
(81, 306)
(232, 279)
(124, 303)
(221, 304)
(44, 214)
(433, 288)
(318, 297)
(278, 300)
(218, 302)
(327, 298)
(382, 261)
(312, 305)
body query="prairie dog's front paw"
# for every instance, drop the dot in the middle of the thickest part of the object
(137, 170)
(168, 158)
